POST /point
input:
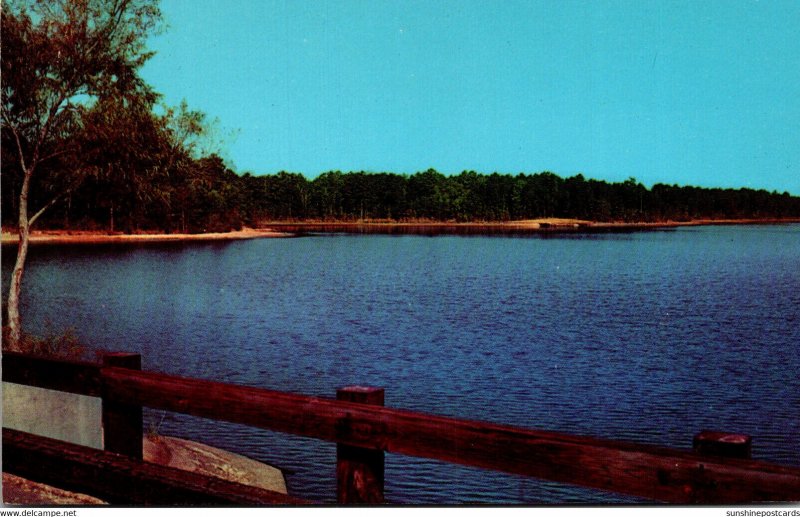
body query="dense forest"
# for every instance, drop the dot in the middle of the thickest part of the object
(203, 194)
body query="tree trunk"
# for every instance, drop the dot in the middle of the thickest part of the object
(14, 322)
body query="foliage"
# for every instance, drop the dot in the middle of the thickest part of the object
(59, 56)
(60, 345)
(469, 196)
(205, 195)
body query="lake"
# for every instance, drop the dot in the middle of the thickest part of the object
(647, 336)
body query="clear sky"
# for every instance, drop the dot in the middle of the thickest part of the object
(689, 92)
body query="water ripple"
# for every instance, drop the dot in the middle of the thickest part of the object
(648, 337)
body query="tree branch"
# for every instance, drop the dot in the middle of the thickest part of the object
(19, 147)
(53, 112)
(117, 12)
(53, 155)
(48, 205)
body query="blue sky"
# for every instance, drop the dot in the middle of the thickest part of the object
(697, 92)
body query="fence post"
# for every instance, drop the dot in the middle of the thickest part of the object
(728, 445)
(122, 423)
(359, 471)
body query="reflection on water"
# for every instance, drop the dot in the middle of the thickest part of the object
(648, 337)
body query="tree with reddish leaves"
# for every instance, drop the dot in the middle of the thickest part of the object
(59, 58)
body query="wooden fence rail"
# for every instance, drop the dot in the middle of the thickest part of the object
(656, 473)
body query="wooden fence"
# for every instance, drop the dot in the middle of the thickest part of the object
(364, 430)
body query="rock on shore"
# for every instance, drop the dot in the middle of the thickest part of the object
(164, 450)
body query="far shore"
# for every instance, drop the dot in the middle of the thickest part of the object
(533, 223)
(543, 225)
(291, 228)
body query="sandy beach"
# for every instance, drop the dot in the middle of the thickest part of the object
(93, 237)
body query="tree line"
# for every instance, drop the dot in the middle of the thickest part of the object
(203, 194)
(471, 196)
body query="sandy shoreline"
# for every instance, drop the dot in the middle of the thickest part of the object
(89, 237)
(544, 225)
(289, 229)
(553, 221)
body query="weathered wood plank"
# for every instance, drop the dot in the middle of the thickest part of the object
(119, 479)
(122, 423)
(78, 377)
(642, 470)
(359, 471)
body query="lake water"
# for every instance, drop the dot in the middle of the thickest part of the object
(649, 337)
